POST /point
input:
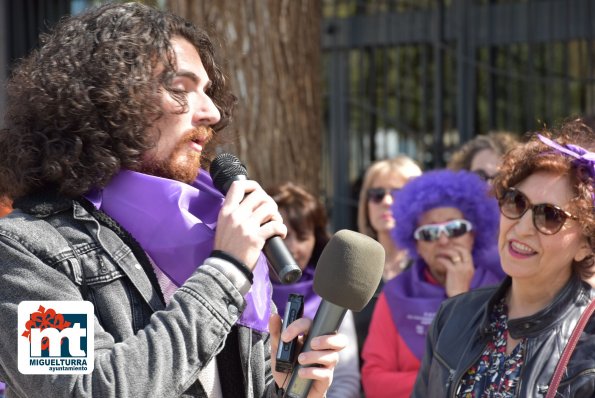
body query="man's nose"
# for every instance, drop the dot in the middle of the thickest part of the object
(205, 111)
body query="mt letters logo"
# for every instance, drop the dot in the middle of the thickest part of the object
(56, 337)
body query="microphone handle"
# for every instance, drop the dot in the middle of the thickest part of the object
(327, 320)
(280, 260)
(231, 179)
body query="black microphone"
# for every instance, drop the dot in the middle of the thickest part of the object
(346, 277)
(225, 169)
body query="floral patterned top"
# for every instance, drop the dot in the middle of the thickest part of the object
(495, 374)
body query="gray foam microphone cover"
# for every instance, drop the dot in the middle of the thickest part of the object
(349, 270)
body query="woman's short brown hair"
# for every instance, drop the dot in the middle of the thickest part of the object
(534, 156)
(499, 142)
(304, 213)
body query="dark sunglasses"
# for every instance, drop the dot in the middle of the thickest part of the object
(452, 229)
(547, 218)
(377, 195)
(484, 175)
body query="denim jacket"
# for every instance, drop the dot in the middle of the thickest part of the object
(52, 248)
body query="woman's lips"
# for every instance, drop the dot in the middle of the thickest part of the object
(520, 250)
(387, 216)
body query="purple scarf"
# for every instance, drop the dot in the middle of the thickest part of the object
(175, 224)
(413, 301)
(304, 287)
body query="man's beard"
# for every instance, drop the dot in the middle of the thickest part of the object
(183, 164)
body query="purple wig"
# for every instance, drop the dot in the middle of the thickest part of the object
(444, 188)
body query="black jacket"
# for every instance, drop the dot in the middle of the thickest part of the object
(461, 330)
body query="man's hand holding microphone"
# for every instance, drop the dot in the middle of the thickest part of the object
(248, 220)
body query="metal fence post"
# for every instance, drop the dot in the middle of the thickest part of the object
(339, 139)
(438, 147)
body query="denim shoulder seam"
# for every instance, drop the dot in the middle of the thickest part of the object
(51, 260)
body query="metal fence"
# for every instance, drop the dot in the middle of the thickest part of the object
(414, 76)
(26, 19)
(420, 77)
(21, 22)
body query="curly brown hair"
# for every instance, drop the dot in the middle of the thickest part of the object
(80, 106)
(525, 160)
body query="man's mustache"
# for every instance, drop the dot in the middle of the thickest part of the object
(204, 134)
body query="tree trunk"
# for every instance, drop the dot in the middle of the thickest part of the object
(270, 51)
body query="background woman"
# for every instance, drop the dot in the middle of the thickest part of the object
(306, 221)
(447, 222)
(506, 341)
(375, 216)
(375, 219)
(483, 154)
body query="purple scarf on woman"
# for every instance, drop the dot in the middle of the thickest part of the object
(413, 301)
(175, 224)
(305, 287)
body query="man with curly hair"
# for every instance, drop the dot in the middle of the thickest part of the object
(105, 134)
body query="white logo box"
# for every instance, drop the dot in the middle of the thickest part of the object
(49, 326)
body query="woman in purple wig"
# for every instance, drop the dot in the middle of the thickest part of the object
(448, 224)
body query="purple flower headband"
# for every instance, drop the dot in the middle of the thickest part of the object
(581, 156)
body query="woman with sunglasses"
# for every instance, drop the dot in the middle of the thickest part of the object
(506, 341)
(447, 222)
(383, 179)
(381, 182)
